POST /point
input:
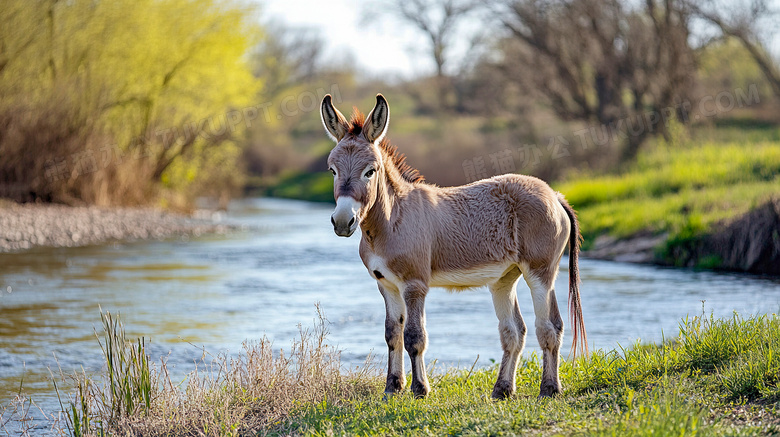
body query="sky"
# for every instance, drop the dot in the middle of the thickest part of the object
(341, 24)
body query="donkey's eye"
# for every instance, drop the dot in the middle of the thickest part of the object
(332, 171)
(370, 173)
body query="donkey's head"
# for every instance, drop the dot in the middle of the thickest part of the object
(356, 161)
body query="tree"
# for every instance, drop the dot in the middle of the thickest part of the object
(438, 21)
(156, 78)
(725, 64)
(289, 60)
(741, 21)
(20, 28)
(602, 61)
(287, 56)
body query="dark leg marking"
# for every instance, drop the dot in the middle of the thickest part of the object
(395, 341)
(394, 384)
(416, 339)
(502, 389)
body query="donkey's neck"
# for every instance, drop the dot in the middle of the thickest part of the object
(390, 193)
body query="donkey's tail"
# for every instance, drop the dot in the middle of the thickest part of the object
(580, 340)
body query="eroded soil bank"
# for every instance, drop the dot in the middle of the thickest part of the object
(750, 243)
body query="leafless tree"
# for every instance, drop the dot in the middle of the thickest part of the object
(438, 21)
(286, 56)
(741, 20)
(602, 61)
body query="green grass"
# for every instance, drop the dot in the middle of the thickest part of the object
(683, 189)
(683, 387)
(719, 377)
(314, 187)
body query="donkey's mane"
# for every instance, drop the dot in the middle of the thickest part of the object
(408, 172)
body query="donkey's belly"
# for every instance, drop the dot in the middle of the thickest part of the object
(468, 278)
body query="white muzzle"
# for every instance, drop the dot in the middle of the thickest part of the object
(344, 218)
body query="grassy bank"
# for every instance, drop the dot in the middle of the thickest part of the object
(678, 190)
(719, 377)
(314, 187)
(688, 190)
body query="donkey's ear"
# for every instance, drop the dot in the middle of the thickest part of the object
(375, 127)
(335, 124)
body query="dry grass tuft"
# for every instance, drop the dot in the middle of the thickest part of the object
(16, 417)
(249, 394)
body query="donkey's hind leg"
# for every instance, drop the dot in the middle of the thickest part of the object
(549, 325)
(511, 329)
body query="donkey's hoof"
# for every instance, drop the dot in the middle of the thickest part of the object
(421, 395)
(420, 390)
(549, 390)
(502, 390)
(395, 384)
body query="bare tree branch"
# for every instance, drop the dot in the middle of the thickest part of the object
(438, 21)
(742, 26)
(602, 60)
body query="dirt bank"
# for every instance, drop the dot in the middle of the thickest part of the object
(750, 243)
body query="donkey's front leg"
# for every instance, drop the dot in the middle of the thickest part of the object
(395, 317)
(415, 337)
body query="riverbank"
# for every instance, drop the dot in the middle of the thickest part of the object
(23, 226)
(719, 377)
(689, 204)
(747, 243)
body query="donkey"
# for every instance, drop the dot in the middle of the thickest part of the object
(417, 235)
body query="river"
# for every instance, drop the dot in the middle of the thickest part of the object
(215, 292)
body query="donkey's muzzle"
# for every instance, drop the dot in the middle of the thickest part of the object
(344, 218)
(344, 231)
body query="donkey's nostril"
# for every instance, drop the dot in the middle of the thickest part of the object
(332, 221)
(352, 220)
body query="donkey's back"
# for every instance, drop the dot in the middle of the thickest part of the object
(504, 219)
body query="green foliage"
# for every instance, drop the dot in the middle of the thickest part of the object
(156, 90)
(665, 410)
(727, 66)
(683, 190)
(79, 417)
(737, 357)
(741, 353)
(315, 187)
(127, 366)
(127, 389)
(710, 262)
